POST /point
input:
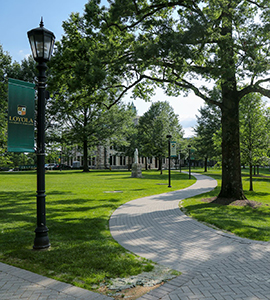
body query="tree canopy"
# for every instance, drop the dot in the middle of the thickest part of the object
(217, 49)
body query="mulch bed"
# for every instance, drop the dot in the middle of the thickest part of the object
(225, 201)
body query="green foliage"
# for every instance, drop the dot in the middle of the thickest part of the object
(159, 121)
(208, 124)
(5, 62)
(87, 87)
(25, 70)
(207, 47)
(254, 131)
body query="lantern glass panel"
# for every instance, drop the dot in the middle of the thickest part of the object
(33, 46)
(47, 47)
(39, 45)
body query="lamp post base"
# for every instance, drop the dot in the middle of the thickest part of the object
(41, 240)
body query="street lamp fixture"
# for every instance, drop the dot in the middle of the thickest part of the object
(189, 165)
(42, 43)
(169, 151)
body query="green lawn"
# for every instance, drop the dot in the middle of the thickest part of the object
(242, 221)
(78, 207)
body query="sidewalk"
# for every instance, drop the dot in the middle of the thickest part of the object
(214, 265)
(17, 284)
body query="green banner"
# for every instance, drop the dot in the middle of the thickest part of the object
(173, 149)
(21, 116)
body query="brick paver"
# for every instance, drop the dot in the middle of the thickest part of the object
(17, 284)
(214, 265)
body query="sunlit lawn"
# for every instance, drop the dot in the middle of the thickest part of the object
(78, 206)
(242, 221)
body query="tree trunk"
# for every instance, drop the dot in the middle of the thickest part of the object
(85, 157)
(231, 187)
(160, 165)
(129, 163)
(205, 164)
(231, 166)
(250, 178)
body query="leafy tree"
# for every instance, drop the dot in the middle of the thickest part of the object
(5, 62)
(24, 70)
(254, 134)
(159, 121)
(193, 46)
(86, 92)
(89, 124)
(208, 123)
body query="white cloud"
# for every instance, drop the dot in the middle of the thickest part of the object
(23, 54)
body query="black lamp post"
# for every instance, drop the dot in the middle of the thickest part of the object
(180, 161)
(169, 151)
(42, 43)
(189, 166)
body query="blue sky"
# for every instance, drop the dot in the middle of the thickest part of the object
(19, 16)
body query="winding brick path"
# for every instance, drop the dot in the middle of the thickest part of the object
(214, 265)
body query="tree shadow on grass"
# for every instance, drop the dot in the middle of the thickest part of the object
(82, 252)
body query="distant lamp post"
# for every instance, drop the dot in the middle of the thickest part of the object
(189, 165)
(179, 156)
(42, 43)
(169, 151)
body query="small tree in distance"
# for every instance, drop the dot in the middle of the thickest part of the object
(208, 124)
(159, 121)
(254, 134)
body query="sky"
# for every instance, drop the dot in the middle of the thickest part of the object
(19, 16)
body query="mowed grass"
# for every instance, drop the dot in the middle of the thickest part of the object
(252, 223)
(78, 208)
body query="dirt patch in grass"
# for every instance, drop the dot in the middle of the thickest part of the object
(233, 202)
(130, 294)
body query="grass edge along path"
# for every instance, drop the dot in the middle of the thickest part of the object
(78, 208)
(244, 221)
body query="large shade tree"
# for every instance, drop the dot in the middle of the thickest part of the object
(196, 46)
(86, 99)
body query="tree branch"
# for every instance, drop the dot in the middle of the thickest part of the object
(149, 11)
(186, 85)
(126, 89)
(255, 88)
(256, 4)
